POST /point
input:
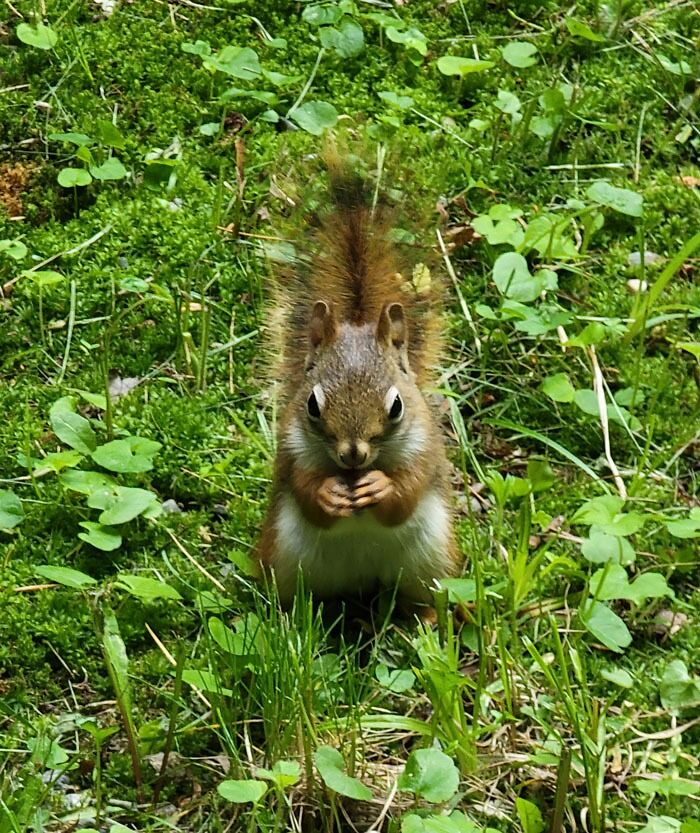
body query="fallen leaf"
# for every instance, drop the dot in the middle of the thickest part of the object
(556, 524)
(278, 193)
(442, 211)
(459, 236)
(156, 760)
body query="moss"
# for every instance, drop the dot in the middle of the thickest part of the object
(112, 239)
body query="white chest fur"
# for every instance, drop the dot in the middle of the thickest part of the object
(357, 553)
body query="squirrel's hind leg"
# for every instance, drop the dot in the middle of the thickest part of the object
(278, 573)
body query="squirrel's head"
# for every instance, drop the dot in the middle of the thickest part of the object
(361, 404)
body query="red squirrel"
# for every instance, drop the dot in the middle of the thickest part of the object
(360, 496)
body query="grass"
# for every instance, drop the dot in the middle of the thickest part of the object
(150, 681)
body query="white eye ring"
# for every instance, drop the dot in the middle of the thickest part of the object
(393, 404)
(320, 396)
(315, 403)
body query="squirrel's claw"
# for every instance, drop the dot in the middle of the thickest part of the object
(335, 499)
(372, 488)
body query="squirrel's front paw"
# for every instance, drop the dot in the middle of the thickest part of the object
(335, 499)
(371, 488)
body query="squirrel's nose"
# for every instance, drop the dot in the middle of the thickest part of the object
(354, 454)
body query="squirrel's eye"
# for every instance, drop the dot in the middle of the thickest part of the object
(396, 407)
(315, 402)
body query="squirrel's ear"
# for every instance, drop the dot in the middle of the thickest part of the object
(392, 329)
(322, 329)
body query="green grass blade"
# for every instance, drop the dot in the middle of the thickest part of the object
(553, 444)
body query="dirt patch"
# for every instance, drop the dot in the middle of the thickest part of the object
(14, 180)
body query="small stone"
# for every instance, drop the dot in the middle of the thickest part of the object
(469, 505)
(120, 387)
(635, 285)
(170, 507)
(635, 258)
(669, 622)
(74, 801)
(57, 780)
(106, 7)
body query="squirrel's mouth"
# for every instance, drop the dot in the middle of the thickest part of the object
(353, 469)
(354, 456)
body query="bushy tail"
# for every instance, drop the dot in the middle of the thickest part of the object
(356, 268)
